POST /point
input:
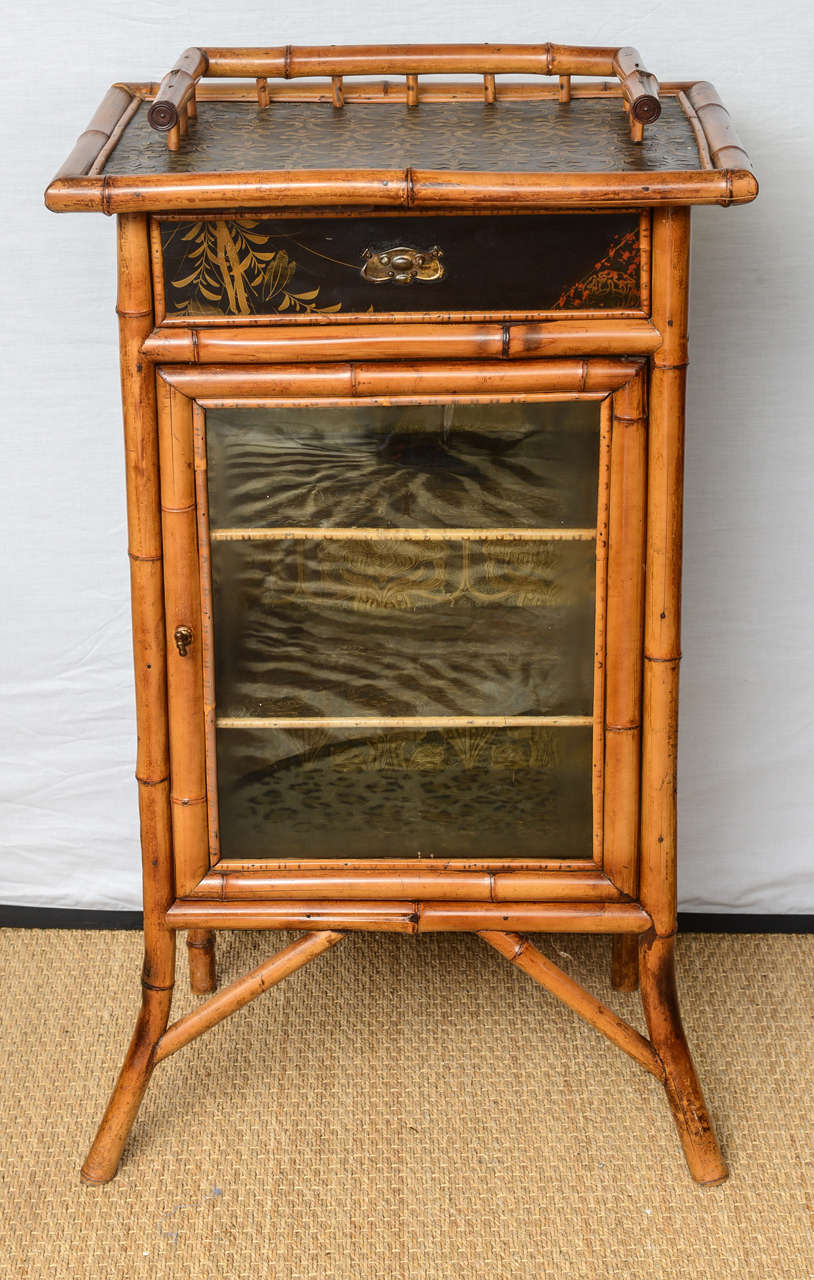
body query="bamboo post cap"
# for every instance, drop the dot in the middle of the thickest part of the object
(641, 89)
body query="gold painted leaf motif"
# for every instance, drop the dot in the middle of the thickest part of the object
(229, 269)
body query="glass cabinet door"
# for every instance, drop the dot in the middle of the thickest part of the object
(403, 635)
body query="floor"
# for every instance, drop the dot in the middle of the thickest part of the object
(405, 1109)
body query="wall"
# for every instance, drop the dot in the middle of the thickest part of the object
(68, 828)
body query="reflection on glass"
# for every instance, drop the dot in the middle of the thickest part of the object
(360, 793)
(432, 625)
(408, 466)
(365, 627)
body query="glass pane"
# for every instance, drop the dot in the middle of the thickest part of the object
(410, 466)
(429, 615)
(338, 627)
(355, 793)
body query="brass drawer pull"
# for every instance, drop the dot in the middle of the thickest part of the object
(183, 638)
(402, 265)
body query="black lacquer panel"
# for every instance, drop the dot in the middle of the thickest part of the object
(313, 266)
(586, 135)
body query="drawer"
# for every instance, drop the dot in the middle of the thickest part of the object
(324, 268)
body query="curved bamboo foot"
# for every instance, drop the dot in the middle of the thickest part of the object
(201, 950)
(625, 961)
(660, 1001)
(105, 1154)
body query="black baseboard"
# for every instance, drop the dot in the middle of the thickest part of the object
(67, 918)
(688, 921)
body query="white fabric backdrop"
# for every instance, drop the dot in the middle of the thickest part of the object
(68, 825)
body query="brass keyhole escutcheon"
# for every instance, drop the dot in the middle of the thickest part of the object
(183, 639)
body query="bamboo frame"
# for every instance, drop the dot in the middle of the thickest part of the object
(404, 881)
(383, 381)
(625, 621)
(94, 139)
(299, 344)
(639, 88)
(600, 618)
(399, 188)
(410, 916)
(597, 373)
(183, 609)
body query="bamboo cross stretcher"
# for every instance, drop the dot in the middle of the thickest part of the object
(174, 368)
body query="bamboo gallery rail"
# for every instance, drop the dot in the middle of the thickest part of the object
(620, 362)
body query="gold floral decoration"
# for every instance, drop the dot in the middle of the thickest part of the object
(233, 271)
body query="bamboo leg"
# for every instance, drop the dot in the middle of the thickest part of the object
(201, 951)
(105, 1154)
(625, 962)
(135, 308)
(662, 653)
(660, 1001)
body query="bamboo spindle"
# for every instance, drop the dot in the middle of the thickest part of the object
(262, 85)
(201, 949)
(245, 989)
(489, 89)
(662, 622)
(564, 92)
(337, 92)
(152, 769)
(521, 952)
(624, 962)
(412, 91)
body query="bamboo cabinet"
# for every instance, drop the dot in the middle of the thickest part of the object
(403, 367)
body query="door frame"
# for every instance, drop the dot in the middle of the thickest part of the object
(611, 876)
